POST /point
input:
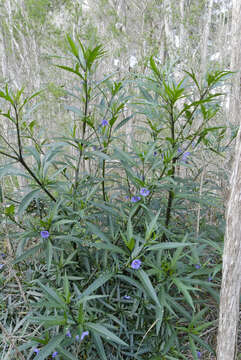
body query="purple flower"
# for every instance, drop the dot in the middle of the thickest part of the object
(68, 334)
(44, 234)
(3, 255)
(1, 266)
(84, 334)
(179, 150)
(77, 337)
(136, 264)
(135, 199)
(127, 197)
(197, 266)
(155, 153)
(185, 156)
(54, 354)
(144, 192)
(126, 297)
(199, 354)
(104, 122)
(210, 278)
(36, 350)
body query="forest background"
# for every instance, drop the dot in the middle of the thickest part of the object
(113, 200)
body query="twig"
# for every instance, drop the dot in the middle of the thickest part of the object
(8, 337)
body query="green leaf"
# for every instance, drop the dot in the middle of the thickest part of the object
(104, 332)
(178, 307)
(70, 70)
(27, 200)
(159, 318)
(110, 247)
(168, 245)
(130, 242)
(75, 110)
(94, 54)
(193, 348)
(49, 320)
(66, 288)
(90, 297)
(131, 281)
(154, 68)
(184, 290)
(66, 354)
(124, 157)
(123, 122)
(73, 47)
(202, 343)
(28, 253)
(52, 295)
(146, 282)
(151, 227)
(102, 279)
(49, 254)
(49, 348)
(95, 230)
(9, 210)
(10, 170)
(33, 151)
(99, 346)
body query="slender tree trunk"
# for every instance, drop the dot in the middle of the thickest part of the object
(182, 20)
(206, 31)
(231, 278)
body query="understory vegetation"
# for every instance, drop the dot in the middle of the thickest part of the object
(112, 243)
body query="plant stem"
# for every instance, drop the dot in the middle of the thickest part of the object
(22, 161)
(83, 136)
(171, 192)
(103, 181)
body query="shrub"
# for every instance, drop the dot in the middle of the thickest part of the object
(107, 228)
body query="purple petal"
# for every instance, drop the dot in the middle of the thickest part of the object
(84, 334)
(144, 192)
(44, 234)
(135, 199)
(104, 122)
(136, 264)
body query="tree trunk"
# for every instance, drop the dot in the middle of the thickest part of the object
(231, 279)
(206, 31)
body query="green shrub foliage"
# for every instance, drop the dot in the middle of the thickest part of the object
(107, 222)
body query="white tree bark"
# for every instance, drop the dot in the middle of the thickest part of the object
(206, 31)
(231, 278)
(182, 20)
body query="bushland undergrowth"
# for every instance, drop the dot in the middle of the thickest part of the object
(109, 253)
